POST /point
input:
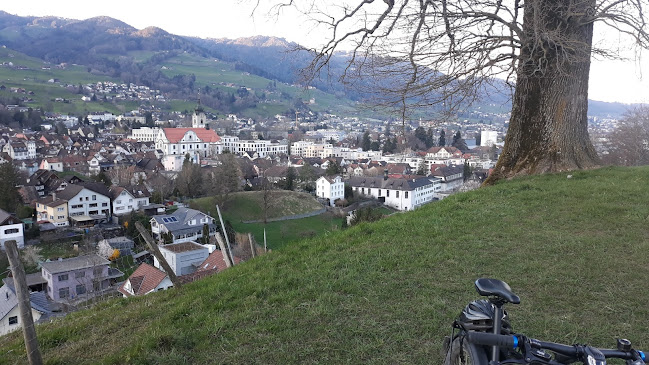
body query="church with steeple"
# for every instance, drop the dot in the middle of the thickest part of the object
(198, 141)
(199, 118)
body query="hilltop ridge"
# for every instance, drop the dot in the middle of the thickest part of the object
(386, 292)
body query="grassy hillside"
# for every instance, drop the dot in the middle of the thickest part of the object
(575, 250)
(246, 206)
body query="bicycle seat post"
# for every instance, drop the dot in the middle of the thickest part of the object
(497, 326)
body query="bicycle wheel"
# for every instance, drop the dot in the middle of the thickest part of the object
(461, 352)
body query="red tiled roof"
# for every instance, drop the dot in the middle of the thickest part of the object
(174, 135)
(215, 261)
(144, 279)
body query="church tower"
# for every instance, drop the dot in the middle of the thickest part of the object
(199, 118)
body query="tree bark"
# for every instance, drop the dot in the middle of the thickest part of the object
(548, 129)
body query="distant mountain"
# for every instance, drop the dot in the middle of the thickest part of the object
(103, 45)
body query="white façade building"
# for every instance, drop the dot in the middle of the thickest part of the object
(11, 228)
(183, 258)
(262, 148)
(180, 141)
(488, 138)
(86, 200)
(331, 188)
(144, 134)
(128, 199)
(175, 162)
(401, 194)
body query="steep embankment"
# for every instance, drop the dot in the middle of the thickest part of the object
(575, 250)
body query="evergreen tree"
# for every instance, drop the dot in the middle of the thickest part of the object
(367, 143)
(478, 138)
(468, 171)
(442, 138)
(420, 134)
(291, 175)
(421, 170)
(9, 197)
(430, 138)
(333, 168)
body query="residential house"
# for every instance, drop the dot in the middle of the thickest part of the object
(86, 199)
(331, 188)
(52, 164)
(11, 228)
(183, 258)
(124, 244)
(53, 210)
(184, 225)
(129, 199)
(83, 276)
(401, 194)
(451, 177)
(16, 150)
(10, 313)
(144, 280)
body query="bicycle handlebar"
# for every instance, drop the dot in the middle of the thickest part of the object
(514, 341)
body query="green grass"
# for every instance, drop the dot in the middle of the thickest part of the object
(282, 233)
(575, 250)
(247, 205)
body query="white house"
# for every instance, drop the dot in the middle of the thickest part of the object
(52, 164)
(175, 162)
(144, 134)
(87, 199)
(331, 188)
(184, 225)
(16, 150)
(451, 177)
(10, 313)
(183, 258)
(144, 280)
(128, 199)
(11, 228)
(488, 138)
(401, 194)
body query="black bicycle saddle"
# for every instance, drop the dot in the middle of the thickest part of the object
(496, 288)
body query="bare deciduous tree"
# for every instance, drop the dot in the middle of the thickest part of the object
(628, 144)
(224, 179)
(447, 52)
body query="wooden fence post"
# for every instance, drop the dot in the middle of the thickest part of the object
(225, 234)
(24, 304)
(253, 249)
(158, 255)
(224, 253)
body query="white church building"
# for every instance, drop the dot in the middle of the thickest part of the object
(197, 140)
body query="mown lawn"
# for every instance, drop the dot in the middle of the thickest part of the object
(248, 205)
(575, 250)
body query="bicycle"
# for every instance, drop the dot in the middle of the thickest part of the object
(485, 337)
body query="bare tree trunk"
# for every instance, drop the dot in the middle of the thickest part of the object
(548, 129)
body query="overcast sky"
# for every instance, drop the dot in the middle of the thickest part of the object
(609, 81)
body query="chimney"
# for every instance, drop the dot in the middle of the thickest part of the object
(385, 174)
(53, 196)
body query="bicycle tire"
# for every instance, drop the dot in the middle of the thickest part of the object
(461, 352)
